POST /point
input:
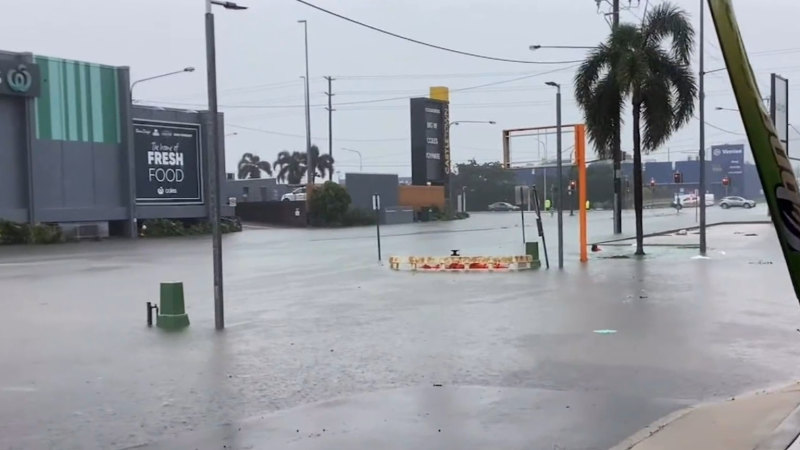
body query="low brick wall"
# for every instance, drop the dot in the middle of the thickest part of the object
(419, 197)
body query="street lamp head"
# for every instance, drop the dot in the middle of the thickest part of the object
(534, 47)
(302, 21)
(188, 69)
(492, 122)
(553, 83)
(229, 5)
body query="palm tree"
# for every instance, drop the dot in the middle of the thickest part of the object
(251, 166)
(649, 65)
(323, 164)
(292, 166)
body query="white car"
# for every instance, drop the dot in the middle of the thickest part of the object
(734, 201)
(691, 200)
(297, 195)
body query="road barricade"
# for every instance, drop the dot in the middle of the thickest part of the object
(463, 263)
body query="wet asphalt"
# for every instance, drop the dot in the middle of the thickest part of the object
(325, 348)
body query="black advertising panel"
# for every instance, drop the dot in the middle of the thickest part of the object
(168, 163)
(430, 147)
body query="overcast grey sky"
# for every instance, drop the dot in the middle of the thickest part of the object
(260, 60)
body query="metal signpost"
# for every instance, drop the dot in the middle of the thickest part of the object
(539, 226)
(376, 206)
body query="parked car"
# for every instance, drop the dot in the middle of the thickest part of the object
(503, 206)
(297, 195)
(733, 201)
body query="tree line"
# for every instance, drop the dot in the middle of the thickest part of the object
(291, 167)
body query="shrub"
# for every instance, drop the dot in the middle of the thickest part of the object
(169, 227)
(162, 228)
(20, 233)
(13, 233)
(46, 234)
(329, 204)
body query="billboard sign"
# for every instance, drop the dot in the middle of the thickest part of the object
(168, 163)
(430, 152)
(779, 108)
(728, 159)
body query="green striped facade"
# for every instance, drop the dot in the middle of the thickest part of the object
(79, 102)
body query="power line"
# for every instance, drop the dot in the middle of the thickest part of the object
(316, 138)
(428, 75)
(377, 100)
(720, 128)
(426, 44)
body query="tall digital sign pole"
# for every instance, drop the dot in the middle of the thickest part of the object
(430, 153)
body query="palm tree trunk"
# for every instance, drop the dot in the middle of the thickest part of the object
(638, 200)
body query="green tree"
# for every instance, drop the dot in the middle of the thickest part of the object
(484, 184)
(292, 167)
(649, 65)
(328, 204)
(251, 166)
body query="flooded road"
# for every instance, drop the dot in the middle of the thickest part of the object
(325, 348)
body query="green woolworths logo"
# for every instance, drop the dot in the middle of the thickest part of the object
(19, 79)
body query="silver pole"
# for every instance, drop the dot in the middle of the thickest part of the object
(310, 168)
(560, 182)
(702, 102)
(213, 181)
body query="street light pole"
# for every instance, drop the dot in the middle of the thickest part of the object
(459, 122)
(184, 70)
(360, 161)
(213, 157)
(560, 176)
(310, 166)
(702, 112)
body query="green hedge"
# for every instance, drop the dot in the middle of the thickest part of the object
(20, 233)
(358, 217)
(169, 227)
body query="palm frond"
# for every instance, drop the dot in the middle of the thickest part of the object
(589, 73)
(265, 166)
(656, 112)
(669, 21)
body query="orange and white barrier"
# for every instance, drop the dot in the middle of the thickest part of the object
(463, 263)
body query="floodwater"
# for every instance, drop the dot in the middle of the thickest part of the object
(326, 348)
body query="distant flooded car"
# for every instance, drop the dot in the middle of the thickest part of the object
(503, 206)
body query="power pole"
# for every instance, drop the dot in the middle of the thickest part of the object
(702, 153)
(330, 121)
(617, 143)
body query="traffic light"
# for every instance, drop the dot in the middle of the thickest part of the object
(726, 181)
(677, 177)
(572, 185)
(652, 182)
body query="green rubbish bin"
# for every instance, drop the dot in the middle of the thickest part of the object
(172, 314)
(532, 248)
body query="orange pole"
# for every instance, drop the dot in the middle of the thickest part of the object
(580, 161)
